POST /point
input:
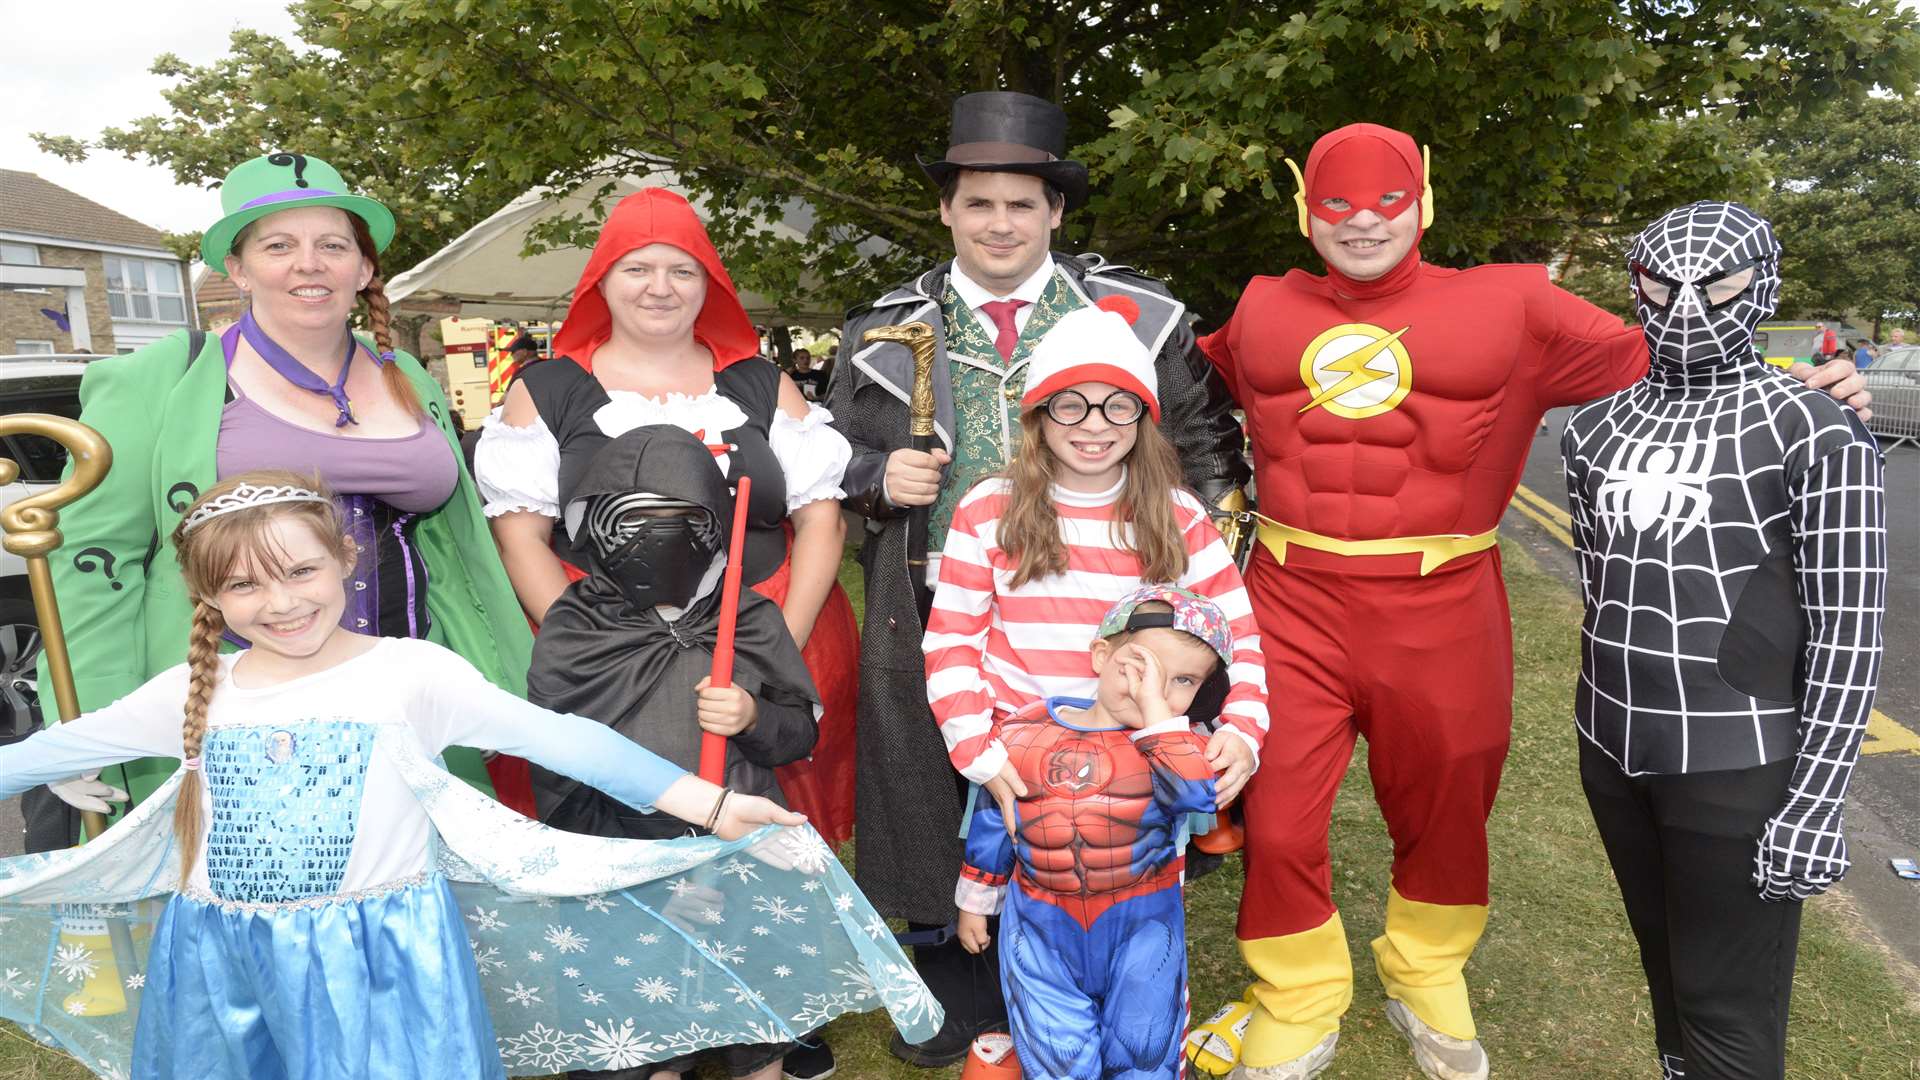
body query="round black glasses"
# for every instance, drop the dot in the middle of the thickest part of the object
(1121, 408)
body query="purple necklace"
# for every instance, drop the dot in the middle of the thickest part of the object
(299, 374)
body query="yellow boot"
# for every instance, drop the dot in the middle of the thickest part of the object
(1213, 1048)
(1306, 984)
(85, 951)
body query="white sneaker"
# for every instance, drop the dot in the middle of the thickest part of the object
(1441, 1057)
(1305, 1067)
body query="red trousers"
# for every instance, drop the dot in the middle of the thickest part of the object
(1421, 666)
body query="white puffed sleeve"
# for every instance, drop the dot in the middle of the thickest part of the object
(812, 455)
(517, 468)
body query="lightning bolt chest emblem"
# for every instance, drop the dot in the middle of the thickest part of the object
(1356, 370)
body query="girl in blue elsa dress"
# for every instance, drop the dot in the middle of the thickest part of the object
(317, 900)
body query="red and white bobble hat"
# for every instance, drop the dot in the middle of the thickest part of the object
(1094, 344)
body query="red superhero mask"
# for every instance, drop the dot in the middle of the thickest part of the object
(656, 216)
(1361, 163)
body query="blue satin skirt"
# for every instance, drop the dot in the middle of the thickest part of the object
(377, 988)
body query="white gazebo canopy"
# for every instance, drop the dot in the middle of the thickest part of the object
(483, 269)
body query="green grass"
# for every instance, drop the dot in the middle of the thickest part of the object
(1556, 982)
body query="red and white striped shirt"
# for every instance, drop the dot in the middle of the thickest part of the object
(992, 648)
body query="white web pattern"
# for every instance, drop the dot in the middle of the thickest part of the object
(1775, 469)
(1693, 245)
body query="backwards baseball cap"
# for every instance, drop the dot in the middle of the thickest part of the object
(1092, 344)
(1192, 614)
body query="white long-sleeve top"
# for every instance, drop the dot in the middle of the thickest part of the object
(284, 763)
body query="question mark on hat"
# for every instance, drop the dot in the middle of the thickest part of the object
(94, 558)
(299, 163)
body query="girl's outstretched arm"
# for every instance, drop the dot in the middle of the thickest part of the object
(145, 723)
(456, 705)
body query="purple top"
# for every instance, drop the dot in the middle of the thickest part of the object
(415, 473)
(381, 486)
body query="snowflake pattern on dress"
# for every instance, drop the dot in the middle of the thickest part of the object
(592, 953)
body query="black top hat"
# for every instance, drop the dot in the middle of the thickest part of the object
(1000, 131)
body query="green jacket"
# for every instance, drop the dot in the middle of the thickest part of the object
(121, 596)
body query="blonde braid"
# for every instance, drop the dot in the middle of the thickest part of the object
(380, 321)
(203, 670)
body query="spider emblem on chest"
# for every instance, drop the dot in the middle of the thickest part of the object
(1648, 484)
(1077, 768)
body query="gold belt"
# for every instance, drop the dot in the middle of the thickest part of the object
(1434, 551)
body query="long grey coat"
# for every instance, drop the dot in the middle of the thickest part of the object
(908, 798)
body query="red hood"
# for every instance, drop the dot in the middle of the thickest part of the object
(656, 216)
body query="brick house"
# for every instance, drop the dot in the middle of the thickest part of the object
(111, 279)
(219, 303)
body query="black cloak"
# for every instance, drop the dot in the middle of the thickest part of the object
(599, 656)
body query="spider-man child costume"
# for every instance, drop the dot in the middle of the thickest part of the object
(1093, 959)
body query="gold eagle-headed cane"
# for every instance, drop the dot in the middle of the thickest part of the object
(32, 532)
(917, 336)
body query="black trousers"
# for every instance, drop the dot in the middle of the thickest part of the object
(50, 825)
(1719, 959)
(967, 986)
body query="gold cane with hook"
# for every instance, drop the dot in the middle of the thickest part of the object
(32, 532)
(917, 336)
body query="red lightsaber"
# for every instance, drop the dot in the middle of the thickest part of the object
(713, 748)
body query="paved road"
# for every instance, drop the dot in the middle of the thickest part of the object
(1883, 805)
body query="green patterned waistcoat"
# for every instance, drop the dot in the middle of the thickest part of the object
(986, 395)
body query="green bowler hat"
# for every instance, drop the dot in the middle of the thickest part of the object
(275, 182)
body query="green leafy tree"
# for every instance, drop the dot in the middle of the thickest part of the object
(1845, 200)
(1544, 117)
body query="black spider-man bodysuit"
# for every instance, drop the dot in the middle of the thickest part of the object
(1732, 546)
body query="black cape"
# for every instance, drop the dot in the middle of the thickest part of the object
(599, 656)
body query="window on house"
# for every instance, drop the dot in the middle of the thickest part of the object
(42, 348)
(145, 289)
(19, 255)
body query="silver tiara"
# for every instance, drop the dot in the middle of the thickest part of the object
(250, 495)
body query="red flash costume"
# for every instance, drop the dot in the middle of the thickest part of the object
(1390, 420)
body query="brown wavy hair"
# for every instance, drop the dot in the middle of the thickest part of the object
(208, 556)
(379, 312)
(1030, 527)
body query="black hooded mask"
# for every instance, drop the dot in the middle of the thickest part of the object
(604, 650)
(658, 550)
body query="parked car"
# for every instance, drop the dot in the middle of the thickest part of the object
(1894, 380)
(29, 384)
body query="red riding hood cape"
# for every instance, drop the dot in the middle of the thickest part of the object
(656, 216)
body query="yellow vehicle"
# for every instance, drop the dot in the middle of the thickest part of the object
(478, 367)
(1783, 343)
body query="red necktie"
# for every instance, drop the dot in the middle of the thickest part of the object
(1001, 312)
